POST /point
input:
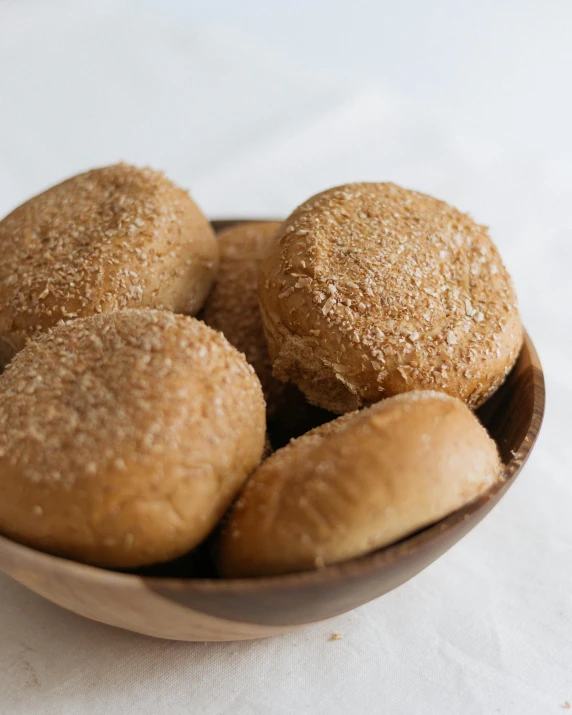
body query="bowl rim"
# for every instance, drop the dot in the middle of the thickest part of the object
(358, 566)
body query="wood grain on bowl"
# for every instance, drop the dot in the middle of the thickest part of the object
(233, 609)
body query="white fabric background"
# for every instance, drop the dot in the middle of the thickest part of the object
(488, 628)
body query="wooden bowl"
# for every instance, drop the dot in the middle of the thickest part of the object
(208, 609)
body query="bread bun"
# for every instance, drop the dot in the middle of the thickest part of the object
(111, 238)
(232, 307)
(357, 484)
(370, 290)
(124, 437)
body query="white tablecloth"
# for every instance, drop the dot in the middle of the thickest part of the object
(486, 629)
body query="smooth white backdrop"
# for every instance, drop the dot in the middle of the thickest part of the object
(501, 69)
(252, 127)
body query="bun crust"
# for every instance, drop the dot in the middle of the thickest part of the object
(371, 290)
(124, 437)
(111, 238)
(232, 306)
(357, 484)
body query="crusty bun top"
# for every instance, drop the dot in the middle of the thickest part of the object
(371, 290)
(123, 437)
(358, 483)
(111, 238)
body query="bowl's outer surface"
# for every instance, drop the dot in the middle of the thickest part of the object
(210, 609)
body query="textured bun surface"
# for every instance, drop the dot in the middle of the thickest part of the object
(371, 290)
(111, 238)
(124, 437)
(357, 484)
(232, 307)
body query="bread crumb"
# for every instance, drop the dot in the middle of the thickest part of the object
(566, 705)
(338, 637)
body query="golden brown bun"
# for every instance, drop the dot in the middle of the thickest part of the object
(370, 290)
(125, 436)
(111, 238)
(232, 307)
(359, 483)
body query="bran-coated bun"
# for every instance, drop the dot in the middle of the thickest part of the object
(112, 238)
(370, 290)
(357, 484)
(124, 437)
(232, 307)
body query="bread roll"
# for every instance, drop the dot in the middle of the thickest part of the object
(111, 238)
(232, 308)
(357, 484)
(124, 437)
(370, 290)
